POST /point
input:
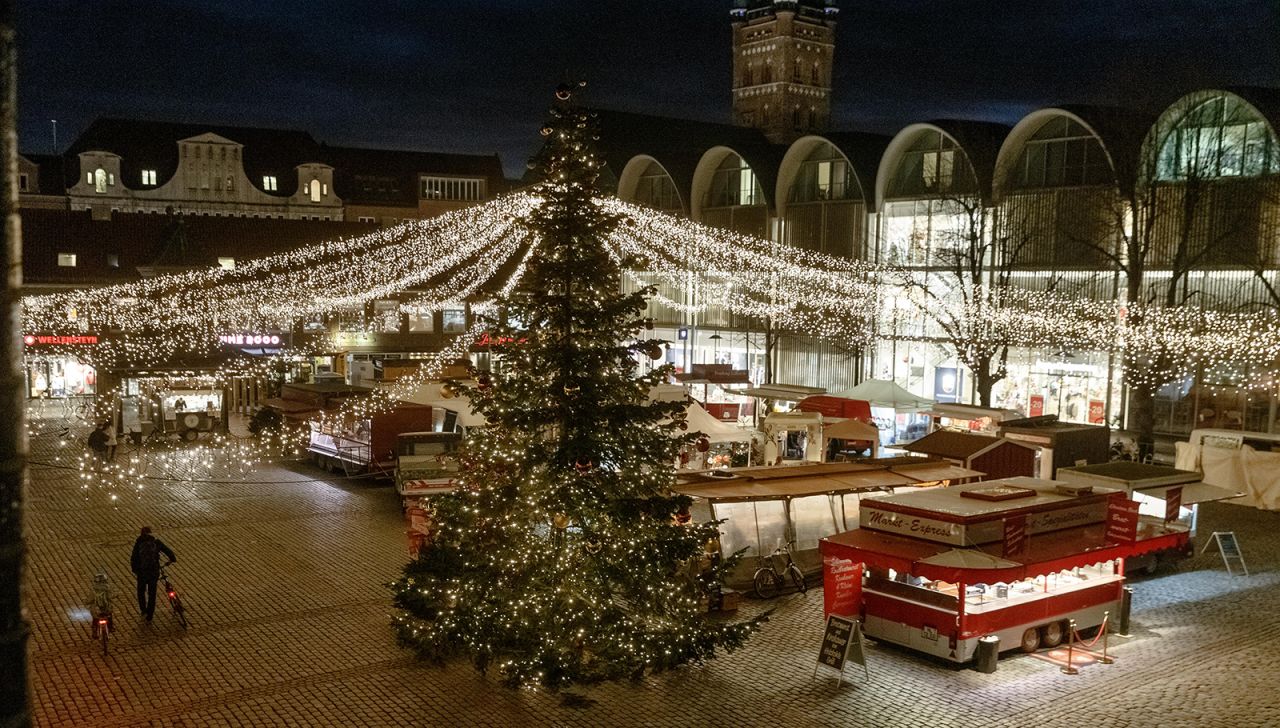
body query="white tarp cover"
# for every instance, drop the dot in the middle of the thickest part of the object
(701, 420)
(430, 395)
(883, 393)
(1255, 473)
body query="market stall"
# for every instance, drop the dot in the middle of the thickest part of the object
(968, 417)
(763, 507)
(1014, 559)
(893, 409)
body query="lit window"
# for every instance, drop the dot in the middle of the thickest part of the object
(365, 219)
(113, 260)
(67, 260)
(227, 263)
(454, 319)
(452, 188)
(315, 190)
(324, 188)
(269, 183)
(148, 176)
(99, 181)
(111, 179)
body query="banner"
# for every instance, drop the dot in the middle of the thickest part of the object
(1036, 408)
(1015, 535)
(1122, 520)
(841, 587)
(1172, 503)
(1097, 412)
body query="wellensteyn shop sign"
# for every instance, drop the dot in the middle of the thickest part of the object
(959, 534)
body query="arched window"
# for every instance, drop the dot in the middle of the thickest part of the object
(655, 189)
(100, 181)
(816, 82)
(734, 184)
(315, 190)
(933, 165)
(1221, 137)
(1062, 153)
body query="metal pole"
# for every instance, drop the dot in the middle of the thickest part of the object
(1106, 627)
(14, 703)
(1070, 668)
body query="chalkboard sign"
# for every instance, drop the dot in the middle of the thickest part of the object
(841, 645)
(1229, 547)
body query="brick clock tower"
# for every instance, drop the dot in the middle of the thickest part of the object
(782, 60)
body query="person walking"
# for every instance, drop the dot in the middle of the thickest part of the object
(145, 563)
(112, 442)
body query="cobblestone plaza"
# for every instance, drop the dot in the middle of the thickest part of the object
(283, 571)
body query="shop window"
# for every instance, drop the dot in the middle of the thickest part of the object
(421, 320)
(148, 176)
(386, 315)
(453, 320)
(227, 263)
(67, 260)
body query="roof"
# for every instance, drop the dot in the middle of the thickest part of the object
(798, 481)
(864, 151)
(1127, 473)
(981, 141)
(390, 177)
(138, 240)
(144, 144)
(956, 445)
(679, 144)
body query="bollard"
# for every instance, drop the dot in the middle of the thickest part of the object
(1070, 667)
(1126, 604)
(988, 654)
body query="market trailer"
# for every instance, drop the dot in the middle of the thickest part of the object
(1018, 558)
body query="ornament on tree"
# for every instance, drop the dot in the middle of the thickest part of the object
(654, 350)
(683, 516)
(447, 391)
(571, 389)
(648, 324)
(584, 465)
(560, 521)
(546, 131)
(592, 546)
(683, 425)
(484, 381)
(703, 444)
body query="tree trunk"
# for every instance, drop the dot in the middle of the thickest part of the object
(14, 705)
(1142, 417)
(984, 380)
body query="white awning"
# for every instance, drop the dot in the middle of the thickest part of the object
(1193, 493)
(786, 392)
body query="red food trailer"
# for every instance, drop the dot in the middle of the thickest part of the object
(1017, 558)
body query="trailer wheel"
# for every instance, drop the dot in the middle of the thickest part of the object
(1030, 640)
(1051, 634)
(190, 435)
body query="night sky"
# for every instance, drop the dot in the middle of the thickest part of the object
(476, 76)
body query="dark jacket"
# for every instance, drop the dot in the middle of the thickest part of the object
(98, 440)
(151, 570)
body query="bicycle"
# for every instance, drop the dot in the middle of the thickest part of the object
(768, 580)
(102, 619)
(171, 594)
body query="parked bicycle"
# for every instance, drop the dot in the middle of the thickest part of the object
(102, 620)
(769, 579)
(171, 594)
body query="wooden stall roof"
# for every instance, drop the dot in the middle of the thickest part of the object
(796, 481)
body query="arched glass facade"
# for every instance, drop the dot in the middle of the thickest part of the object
(656, 190)
(1220, 137)
(735, 200)
(825, 210)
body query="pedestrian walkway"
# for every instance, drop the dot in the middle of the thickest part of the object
(283, 569)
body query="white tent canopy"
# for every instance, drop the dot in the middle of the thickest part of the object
(701, 420)
(883, 393)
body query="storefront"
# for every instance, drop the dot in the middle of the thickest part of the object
(52, 373)
(1016, 559)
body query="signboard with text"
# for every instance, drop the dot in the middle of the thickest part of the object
(80, 340)
(841, 586)
(987, 531)
(841, 645)
(1122, 520)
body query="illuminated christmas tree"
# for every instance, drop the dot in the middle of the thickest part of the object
(562, 557)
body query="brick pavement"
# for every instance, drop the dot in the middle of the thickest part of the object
(284, 571)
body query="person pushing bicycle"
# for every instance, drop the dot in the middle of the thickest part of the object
(145, 563)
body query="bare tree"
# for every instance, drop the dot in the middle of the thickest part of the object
(971, 284)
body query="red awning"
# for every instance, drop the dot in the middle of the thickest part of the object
(1046, 553)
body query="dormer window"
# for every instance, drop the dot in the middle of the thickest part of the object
(227, 263)
(99, 181)
(315, 190)
(113, 260)
(269, 183)
(148, 176)
(66, 260)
